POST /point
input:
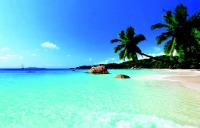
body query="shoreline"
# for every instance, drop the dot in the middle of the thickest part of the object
(190, 78)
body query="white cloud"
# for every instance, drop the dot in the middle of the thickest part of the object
(4, 49)
(49, 45)
(10, 57)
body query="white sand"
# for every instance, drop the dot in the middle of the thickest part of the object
(190, 78)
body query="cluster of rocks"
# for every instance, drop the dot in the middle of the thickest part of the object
(102, 70)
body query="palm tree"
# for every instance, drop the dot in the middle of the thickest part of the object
(192, 47)
(128, 44)
(178, 35)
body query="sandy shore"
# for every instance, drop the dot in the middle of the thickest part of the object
(190, 78)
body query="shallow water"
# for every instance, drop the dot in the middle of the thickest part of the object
(67, 99)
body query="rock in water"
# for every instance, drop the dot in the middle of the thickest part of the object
(122, 76)
(99, 70)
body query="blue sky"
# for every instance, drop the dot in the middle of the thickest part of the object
(69, 33)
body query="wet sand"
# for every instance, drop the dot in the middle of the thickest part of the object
(190, 78)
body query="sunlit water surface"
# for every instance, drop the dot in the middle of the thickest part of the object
(67, 99)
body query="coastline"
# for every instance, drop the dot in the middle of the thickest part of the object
(190, 78)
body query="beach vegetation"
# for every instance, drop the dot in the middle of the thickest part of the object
(167, 63)
(128, 47)
(181, 39)
(181, 35)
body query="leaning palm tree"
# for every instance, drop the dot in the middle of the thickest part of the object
(178, 35)
(128, 44)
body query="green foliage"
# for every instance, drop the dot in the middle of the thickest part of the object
(165, 62)
(128, 44)
(181, 36)
(182, 33)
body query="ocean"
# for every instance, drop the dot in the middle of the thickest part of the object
(77, 99)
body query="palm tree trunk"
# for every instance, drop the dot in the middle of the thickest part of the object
(157, 59)
(143, 54)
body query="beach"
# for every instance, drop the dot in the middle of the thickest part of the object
(190, 78)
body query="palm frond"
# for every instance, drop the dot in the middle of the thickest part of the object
(132, 56)
(182, 34)
(118, 48)
(167, 17)
(115, 40)
(180, 13)
(194, 20)
(125, 53)
(170, 19)
(122, 35)
(181, 53)
(196, 34)
(158, 25)
(122, 54)
(138, 38)
(138, 50)
(167, 47)
(129, 56)
(130, 32)
(164, 36)
(128, 47)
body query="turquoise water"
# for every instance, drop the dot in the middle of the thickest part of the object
(67, 99)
